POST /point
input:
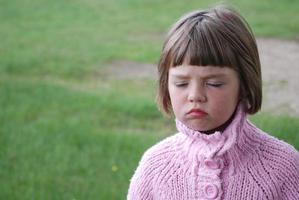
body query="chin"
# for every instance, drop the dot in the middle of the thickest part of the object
(196, 126)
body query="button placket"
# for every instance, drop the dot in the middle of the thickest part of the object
(207, 172)
(212, 168)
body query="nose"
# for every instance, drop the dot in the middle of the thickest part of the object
(197, 94)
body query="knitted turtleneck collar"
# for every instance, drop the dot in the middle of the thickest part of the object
(218, 142)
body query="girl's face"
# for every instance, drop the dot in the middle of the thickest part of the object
(203, 98)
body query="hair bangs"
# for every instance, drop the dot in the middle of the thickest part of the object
(203, 47)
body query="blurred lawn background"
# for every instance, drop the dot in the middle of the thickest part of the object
(67, 131)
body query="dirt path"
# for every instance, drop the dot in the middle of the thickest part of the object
(280, 69)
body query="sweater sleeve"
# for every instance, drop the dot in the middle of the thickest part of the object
(141, 186)
(290, 183)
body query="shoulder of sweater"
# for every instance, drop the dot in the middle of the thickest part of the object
(152, 163)
(164, 147)
(164, 150)
(142, 181)
(276, 153)
(277, 148)
(267, 142)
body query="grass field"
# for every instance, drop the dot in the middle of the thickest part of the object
(67, 131)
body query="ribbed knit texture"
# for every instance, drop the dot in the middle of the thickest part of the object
(241, 163)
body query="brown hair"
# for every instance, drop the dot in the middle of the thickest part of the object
(216, 37)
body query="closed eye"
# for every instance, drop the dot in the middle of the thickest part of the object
(217, 85)
(181, 84)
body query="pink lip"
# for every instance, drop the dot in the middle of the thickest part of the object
(197, 113)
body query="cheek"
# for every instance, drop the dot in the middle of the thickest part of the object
(218, 96)
(221, 108)
(224, 100)
(177, 100)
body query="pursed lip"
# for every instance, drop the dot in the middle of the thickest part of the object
(196, 112)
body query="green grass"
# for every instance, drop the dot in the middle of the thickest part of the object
(66, 130)
(282, 127)
(61, 143)
(72, 39)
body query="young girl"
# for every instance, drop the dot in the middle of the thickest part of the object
(210, 79)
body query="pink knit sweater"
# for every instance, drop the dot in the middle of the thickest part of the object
(241, 163)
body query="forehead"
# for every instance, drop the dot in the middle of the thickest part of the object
(187, 71)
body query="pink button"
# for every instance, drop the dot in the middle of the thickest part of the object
(212, 164)
(211, 191)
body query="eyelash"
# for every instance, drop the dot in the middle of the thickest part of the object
(181, 84)
(216, 85)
